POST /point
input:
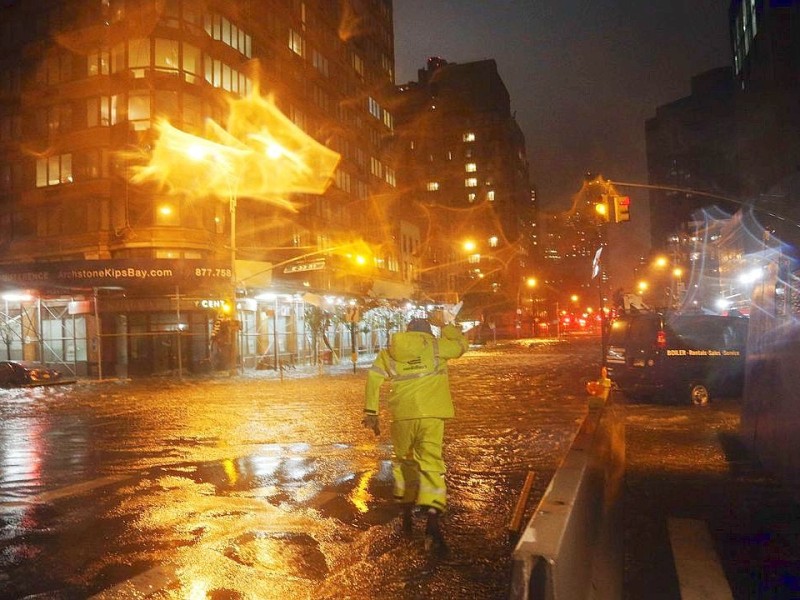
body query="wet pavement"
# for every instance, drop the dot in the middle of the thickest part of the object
(253, 487)
(689, 463)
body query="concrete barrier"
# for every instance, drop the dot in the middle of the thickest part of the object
(572, 545)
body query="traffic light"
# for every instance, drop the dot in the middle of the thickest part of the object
(602, 208)
(621, 210)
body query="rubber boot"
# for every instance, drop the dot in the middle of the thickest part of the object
(434, 539)
(407, 517)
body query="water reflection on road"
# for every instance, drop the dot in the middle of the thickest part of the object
(255, 488)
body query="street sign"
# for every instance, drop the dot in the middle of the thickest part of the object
(596, 262)
(316, 265)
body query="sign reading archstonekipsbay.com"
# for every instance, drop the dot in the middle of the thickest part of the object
(124, 273)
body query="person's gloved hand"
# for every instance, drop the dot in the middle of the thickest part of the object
(436, 318)
(371, 422)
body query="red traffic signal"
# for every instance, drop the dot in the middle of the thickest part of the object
(622, 209)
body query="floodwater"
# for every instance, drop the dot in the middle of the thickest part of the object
(254, 487)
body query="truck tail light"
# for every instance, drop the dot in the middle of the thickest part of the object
(661, 339)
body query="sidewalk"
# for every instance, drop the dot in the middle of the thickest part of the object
(690, 472)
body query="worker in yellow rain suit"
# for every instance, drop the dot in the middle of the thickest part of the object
(416, 364)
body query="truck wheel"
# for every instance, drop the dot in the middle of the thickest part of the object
(698, 394)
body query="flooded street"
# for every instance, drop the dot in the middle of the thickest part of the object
(252, 487)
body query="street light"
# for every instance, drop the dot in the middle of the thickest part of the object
(531, 283)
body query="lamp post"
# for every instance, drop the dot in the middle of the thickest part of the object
(234, 341)
(530, 282)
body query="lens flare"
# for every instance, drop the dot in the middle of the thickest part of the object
(260, 154)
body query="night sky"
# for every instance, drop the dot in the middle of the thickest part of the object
(583, 75)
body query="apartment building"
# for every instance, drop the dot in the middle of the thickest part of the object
(463, 165)
(108, 274)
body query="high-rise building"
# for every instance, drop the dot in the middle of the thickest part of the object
(690, 146)
(463, 164)
(144, 269)
(765, 37)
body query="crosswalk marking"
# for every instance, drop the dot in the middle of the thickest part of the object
(700, 573)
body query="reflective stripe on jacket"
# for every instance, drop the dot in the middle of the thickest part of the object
(416, 364)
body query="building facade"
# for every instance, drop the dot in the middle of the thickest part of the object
(111, 276)
(463, 165)
(691, 146)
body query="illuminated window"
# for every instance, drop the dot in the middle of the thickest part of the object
(493, 241)
(101, 111)
(54, 170)
(375, 167)
(386, 65)
(358, 65)
(191, 63)
(223, 30)
(387, 119)
(166, 58)
(99, 63)
(468, 137)
(433, 186)
(389, 176)
(471, 182)
(139, 111)
(490, 195)
(139, 56)
(471, 197)
(220, 75)
(373, 107)
(296, 43)
(342, 180)
(470, 167)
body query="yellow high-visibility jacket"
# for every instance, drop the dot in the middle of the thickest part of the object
(416, 364)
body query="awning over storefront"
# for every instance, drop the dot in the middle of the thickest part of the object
(391, 290)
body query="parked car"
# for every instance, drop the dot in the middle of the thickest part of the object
(672, 356)
(14, 373)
